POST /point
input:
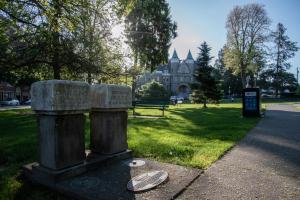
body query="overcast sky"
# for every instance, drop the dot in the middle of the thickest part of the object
(204, 20)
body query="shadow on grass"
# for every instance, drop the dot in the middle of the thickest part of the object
(210, 123)
(18, 146)
(177, 138)
(189, 136)
(152, 147)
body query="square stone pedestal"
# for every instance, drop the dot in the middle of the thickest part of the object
(61, 140)
(108, 131)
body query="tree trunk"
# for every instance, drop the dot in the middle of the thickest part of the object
(277, 72)
(89, 78)
(56, 57)
(277, 81)
(204, 104)
(243, 76)
(133, 88)
(276, 92)
(56, 72)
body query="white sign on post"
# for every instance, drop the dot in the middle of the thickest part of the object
(250, 94)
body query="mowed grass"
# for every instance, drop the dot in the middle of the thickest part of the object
(188, 135)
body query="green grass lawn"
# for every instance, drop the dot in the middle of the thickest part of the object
(188, 135)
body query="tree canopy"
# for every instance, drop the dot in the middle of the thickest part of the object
(283, 50)
(247, 31)
(149, 30)
(230, 83)
(68, 39)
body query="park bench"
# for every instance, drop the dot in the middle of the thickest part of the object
(150, 104)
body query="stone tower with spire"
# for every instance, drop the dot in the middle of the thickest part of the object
(176, 76)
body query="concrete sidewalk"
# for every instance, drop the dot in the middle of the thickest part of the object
(264, 165)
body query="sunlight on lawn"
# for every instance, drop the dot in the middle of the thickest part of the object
(188, 135)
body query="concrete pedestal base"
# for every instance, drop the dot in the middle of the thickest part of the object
(41, 175)
(61, 140)
(108, 131)
(109, 181)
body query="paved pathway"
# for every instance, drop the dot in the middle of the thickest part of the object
(264, 165)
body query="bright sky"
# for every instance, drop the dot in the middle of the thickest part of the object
(204, 20)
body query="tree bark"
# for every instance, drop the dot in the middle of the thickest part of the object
(89, 78)
(277, 73)
(243, 76)
(204, 104)
(56, 57)
(133, 87)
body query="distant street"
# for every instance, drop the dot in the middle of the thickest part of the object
(264, 165)
(13, 107)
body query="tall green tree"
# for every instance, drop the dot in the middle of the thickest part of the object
(230, 84)
(94, 41)
(247, 31)
(149, 30)
(71, 39)
(41, 31)
(284, 49)
(207, 87)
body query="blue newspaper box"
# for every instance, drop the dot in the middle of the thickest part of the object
(251, 102)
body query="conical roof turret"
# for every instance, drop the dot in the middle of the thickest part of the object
(175, 56)
(189, 56)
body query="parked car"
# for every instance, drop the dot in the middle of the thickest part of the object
(13, 102)
(28, 102)
(266, 96)
(172, 98)
(180, 98)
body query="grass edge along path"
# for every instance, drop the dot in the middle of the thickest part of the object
(188, 136)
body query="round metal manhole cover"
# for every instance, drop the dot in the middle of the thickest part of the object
(134, 163)
(85, 182)
(147, 181)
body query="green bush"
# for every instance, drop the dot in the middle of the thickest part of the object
(152, 90)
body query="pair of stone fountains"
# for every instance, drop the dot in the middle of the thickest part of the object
(61, 108)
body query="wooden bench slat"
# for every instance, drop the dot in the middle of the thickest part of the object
(161, 105)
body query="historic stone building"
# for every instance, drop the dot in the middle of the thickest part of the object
(176, 76)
